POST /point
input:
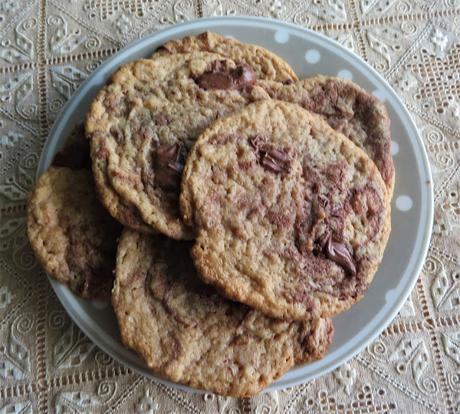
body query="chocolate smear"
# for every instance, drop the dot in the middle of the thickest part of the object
(256, 141)
(272, 159)
(169, 163)
(338, 253)
(220, 76)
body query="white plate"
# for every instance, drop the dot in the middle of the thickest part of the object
(308, 53)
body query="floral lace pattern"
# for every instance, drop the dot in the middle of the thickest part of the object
(48, 47)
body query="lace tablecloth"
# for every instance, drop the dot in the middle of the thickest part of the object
(47, 47)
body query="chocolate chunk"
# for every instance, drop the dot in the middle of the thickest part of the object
(338, 253)
(220, 76)
(275, 161)
(272, 159)
(320, 243)
(169, 163)
(211, 80)
(242, 75)
(256, 141)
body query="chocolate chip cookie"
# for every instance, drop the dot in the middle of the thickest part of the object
(348, 109)
(264, 63)
(71, 234)
(291, 217)
(142, 125)
(186, 332)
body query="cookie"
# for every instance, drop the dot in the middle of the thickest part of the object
(71, 234)
(348, 109)
(265, 64)
(291, 217)
(187, 333)
(142, 125)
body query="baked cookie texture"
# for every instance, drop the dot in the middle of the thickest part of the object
(142, 125)
(264, 63)
(291, 217)
(120, 209)
(75, 154)
(349, 109)
(70, 232)
(187, 333)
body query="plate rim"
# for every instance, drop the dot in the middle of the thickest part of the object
(404, 292)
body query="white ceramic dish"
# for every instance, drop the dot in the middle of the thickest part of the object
(308, 53)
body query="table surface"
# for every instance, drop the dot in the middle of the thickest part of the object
(48, 47)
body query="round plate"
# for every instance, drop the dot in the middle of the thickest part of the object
(412, 210)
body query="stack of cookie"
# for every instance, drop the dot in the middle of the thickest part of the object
(254, 207)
